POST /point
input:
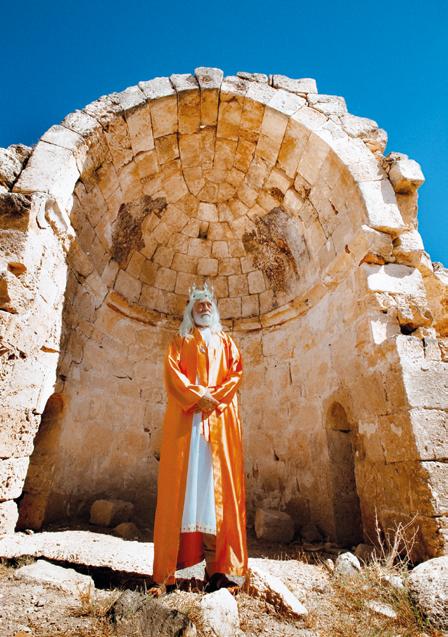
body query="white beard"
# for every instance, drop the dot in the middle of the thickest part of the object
(203, 320)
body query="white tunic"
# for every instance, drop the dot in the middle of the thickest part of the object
(199, 504)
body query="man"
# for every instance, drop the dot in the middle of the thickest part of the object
(201, 490)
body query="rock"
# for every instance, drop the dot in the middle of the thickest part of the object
(365, 552)
(300, 86)
(310, 533)
(395, 581)
(274, 526)
(347, 564)
(406, 175)
(141, 616)
(428, 586)
(270, 588)
(253, 77)
(8, 517)
(110, 512)
(127, 530)
(11, 162)
(220, 612)
(65, 579)
(381, 608)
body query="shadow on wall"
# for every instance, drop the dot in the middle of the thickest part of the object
(341, 450)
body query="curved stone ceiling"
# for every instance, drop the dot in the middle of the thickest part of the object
(258, 185)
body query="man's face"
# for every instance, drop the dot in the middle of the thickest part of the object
(202, 312)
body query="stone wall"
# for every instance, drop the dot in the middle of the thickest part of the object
(284, 202)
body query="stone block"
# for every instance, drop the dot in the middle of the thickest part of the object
(164, 116)
(406, 175)
(207, 267)
(50, 169)
(393, 278)
(11, 162)
(302, 86)
(238, 285)
(12, 477)
(17, 430)
(347, 564)
(167, 148)
(250, 305)
(165, 279)
(185, 281)
(230, 308)
(328, 104)
(64, 579)
(380, 205)
(199, 248)
(256, 282)
(8, 517)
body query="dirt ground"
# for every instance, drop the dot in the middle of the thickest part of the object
(336, 607)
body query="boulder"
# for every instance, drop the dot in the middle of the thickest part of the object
(271, 589)
(142, 616)
(428, 586)
(127, 530)
(220, 613)
(347, 564)
(274, 526)
(110, 512)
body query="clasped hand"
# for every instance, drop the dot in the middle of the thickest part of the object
(207, 404)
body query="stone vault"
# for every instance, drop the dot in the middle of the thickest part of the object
(285, 203)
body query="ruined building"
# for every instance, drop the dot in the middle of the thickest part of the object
(285, 203)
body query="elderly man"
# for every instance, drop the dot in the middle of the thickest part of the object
(201, 491)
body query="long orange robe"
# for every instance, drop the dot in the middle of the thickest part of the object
(220, 369)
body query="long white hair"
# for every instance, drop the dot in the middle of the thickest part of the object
(198, 294)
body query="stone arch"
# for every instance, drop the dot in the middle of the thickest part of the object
(284, 202)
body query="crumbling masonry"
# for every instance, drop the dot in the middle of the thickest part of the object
(283, 201)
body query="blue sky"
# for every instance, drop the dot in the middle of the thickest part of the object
(388, 59)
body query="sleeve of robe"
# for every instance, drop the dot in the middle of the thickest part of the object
(225, 392)
(186, 393)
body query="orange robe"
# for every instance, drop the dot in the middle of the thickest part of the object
(219, 369)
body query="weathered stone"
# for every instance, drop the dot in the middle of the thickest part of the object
(65, 579)
(136, 614)
(274, 526)
(12, 477)
(406, 175)
(301, 86)
(220, 613)
(110, 512)
(428, 585)
(8, 517)
(12, 160)
(347, 564)
(270, 588)
(127, 530)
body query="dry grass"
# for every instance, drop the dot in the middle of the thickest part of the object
(352, 615)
